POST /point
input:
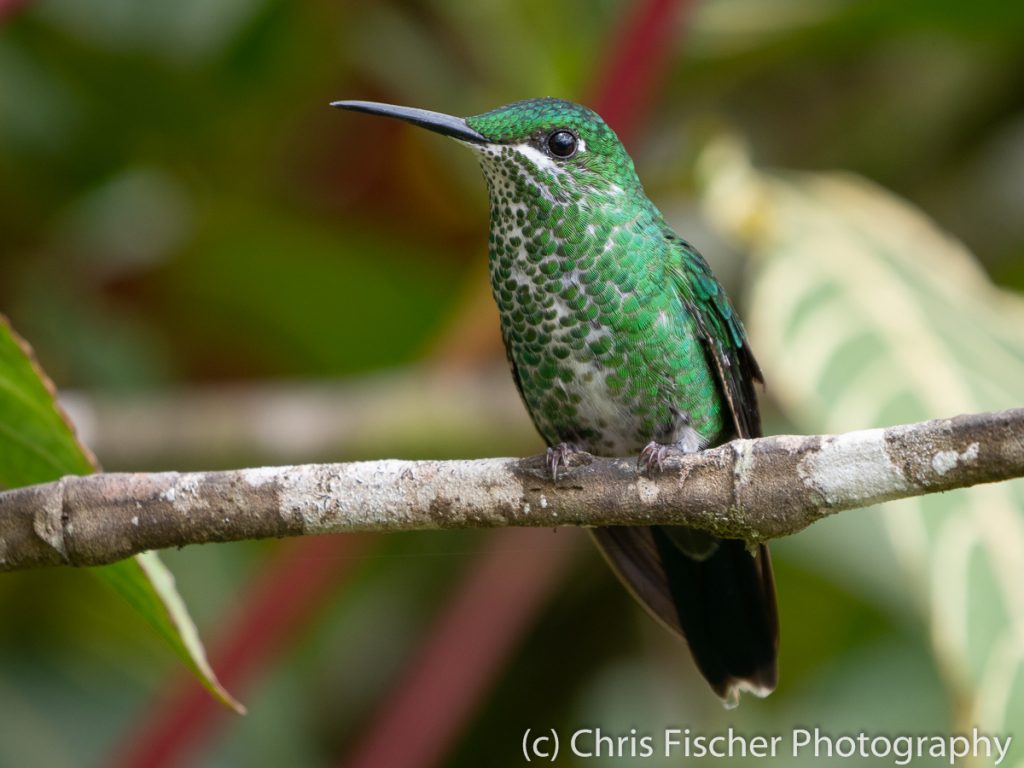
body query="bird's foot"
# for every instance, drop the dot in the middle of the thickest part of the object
(560, 456)
(653, 455)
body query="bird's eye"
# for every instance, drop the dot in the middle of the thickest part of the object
(562, 143)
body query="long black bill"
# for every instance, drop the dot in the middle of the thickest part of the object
(446, 125)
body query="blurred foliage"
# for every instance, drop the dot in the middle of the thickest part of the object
(39, 445)
(869, 316)
(179, 205)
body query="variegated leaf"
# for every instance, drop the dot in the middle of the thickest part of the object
(863, 313)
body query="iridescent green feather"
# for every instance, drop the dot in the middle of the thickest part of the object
(620, 338)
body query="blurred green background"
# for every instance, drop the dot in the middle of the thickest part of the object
(213, 265)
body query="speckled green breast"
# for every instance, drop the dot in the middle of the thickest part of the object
(606, 355)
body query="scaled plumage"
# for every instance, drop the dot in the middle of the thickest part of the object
(621, 341)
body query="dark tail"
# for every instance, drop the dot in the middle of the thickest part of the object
(716, 593)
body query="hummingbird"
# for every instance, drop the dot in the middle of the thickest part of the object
(622, 342)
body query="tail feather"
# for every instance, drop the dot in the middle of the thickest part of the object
(720, 597)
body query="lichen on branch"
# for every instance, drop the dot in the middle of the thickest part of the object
(751, 489)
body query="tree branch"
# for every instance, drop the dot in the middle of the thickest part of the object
(751, 489)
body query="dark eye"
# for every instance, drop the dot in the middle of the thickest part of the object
(562, 143)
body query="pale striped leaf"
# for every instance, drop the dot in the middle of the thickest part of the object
(863, 314)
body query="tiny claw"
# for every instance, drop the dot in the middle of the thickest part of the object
(559, 455)
(653, 455)
(551, 462)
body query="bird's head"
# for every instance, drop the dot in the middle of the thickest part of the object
(562, 148)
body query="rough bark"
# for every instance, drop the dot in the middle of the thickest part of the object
(751, 489)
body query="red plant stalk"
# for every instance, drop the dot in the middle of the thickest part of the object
(513, 575)
(639, 60)
(10, 7)
(288, 592)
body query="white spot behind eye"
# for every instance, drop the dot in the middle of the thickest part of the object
(543, 160)
(535, 156)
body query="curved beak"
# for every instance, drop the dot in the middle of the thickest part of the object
(438, 122)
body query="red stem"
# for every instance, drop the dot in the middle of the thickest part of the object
(10, 7)
(640, 56)
(289, 591)
(482, 624)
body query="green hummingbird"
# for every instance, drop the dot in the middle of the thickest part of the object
(622, 342)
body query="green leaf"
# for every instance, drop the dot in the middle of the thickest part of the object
(37, 445)
(863, 313)
(36, 442)
(148, 586)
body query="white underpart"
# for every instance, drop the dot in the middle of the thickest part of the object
(598, 405)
